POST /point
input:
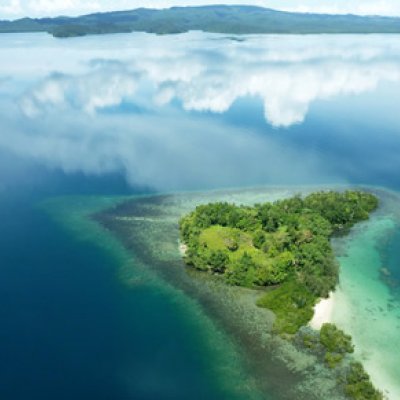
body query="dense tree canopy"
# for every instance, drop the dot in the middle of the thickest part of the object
(284, 245)
(358, 385)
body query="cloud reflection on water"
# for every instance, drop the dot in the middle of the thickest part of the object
(287, 75)
(135, 103)
(163, 151)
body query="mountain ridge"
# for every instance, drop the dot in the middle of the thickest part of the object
(238, 19)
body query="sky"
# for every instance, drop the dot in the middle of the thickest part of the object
(12, 9)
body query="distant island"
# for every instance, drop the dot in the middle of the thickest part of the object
(284, 249)
(217, 19)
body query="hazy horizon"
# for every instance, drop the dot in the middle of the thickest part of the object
(16, 9)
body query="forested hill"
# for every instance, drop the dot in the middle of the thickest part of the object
(219, 19)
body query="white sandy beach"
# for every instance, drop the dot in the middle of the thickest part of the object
(182, 249)
(366, 309)
(323, 312)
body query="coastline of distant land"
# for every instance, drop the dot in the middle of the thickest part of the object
(215, 19)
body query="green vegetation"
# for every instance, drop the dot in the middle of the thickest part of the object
(219, 19)
(335, 340)
(336, 343)
(292, 304)
(283, 246)
(358, 385)
(332, 344)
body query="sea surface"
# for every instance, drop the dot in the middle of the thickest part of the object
(139, 113)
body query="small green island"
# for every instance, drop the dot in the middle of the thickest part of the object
(283, 250)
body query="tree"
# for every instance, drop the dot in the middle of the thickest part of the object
(239, 273)
(218, 261)
(335, 340)
(259, 239)
(358, 384)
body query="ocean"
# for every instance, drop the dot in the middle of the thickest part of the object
(134, 114)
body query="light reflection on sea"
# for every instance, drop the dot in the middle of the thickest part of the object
(169, 111)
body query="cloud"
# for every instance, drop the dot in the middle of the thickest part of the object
(37, 8)
(162, 151)
(60, 6)
(288, 80)
(359, 7)
(84, 117)
(89, 93)
(11, 8)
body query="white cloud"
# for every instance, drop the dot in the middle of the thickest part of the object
(288, 79)
(90, 93)
(65, 122)
(360, 7)
(161, 151)
(11, 7)
(51, 7)
(41, 8)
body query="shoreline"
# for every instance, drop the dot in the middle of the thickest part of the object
(80, 216)
(334, 310)
(323, 312)
(150, 233)
(156, 225)
(364, 300)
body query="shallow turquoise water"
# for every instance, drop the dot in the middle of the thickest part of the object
(366, 307)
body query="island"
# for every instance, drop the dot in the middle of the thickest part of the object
(240, 342)
(234, 19)
(283, 248)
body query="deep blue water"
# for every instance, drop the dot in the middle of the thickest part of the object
(70, 329)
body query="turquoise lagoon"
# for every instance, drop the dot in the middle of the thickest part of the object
(366, 303)
(134, 114)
